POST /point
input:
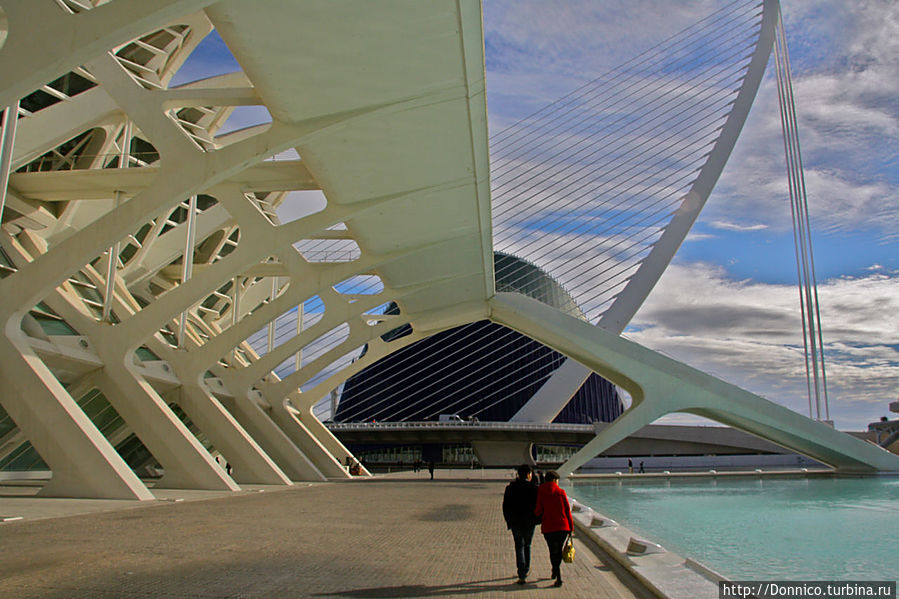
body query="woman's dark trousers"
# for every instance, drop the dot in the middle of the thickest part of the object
(523, 536)
(555, 541)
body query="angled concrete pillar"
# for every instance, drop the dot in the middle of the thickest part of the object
(186, 462)
(83, 462)
(250, 463)
(273, 440)
(294, 426)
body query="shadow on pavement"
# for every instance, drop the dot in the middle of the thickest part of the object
(419, 590)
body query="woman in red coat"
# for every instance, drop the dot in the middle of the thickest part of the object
(556, 524)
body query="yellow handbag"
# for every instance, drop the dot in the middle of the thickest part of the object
(568, 551)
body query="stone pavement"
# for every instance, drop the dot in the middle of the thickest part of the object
(398, 535)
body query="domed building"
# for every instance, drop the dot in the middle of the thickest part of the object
(482, 370)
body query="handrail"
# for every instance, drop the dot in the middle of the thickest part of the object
(518, 426)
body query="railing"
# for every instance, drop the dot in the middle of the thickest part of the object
(503, 426)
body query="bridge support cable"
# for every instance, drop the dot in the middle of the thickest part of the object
(805, 263)
(585, 188)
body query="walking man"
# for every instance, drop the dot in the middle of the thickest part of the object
(519, 502)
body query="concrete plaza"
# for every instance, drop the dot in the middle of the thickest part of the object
(398, 535)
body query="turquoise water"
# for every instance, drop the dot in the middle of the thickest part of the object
(763, 528)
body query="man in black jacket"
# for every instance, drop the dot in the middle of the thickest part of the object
(519, 502)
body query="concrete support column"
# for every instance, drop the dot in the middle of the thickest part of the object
(294, 426)
(7, 143)
(187, 463)
(634, 419)
(83, 462)
(273, 440)
(251, 464)
(503, 453)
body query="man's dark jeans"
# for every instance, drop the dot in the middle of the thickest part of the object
(523, 536)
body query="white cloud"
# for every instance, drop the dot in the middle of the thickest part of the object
(750, 334)
(846, 79)
(729, 226)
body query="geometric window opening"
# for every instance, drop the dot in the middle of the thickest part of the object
(74, 154)
(288, 154)
(300, 204)
(313, 311)
(178, 215)
(394, 334)
(73, 7)
(325, 343)
(244, 117)
(218, 303)
(145, 59)
(211, 58)
(228, 244)
(286, 368)
(60, 89)
(332, 251)
(266, 203)
(262, 291)
(360, 285)
(23, 458)
(332, 369)
(50, 322)
(89, 292)
(287, 326)
(192, 427)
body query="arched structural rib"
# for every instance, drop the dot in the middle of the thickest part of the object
(551, 398)
(660, 385)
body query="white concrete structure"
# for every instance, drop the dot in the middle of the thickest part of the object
(384, 104)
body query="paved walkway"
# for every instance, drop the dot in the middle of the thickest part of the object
(390, 536)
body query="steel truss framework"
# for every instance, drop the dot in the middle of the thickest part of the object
(142, 249)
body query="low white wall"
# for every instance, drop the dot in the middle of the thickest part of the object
(701, 463)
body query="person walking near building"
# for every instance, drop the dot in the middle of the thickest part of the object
(556, 524)
(519, 502)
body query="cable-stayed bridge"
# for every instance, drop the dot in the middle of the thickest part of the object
(180, 289)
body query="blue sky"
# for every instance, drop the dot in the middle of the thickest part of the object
(728, 304)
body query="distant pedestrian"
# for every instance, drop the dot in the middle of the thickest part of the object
(556, 524)
(642, 471)
(431, 469)
(630, 466)
(537, 479)
(519, 502)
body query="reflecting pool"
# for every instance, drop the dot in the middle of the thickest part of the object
(757, 528)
